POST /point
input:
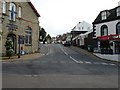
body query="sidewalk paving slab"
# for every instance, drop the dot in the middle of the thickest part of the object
(22, 57)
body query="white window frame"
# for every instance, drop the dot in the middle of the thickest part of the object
(3, 6)
(14, 14)
(28, 36)
(118, 11)
(104, 15)
(20, 12)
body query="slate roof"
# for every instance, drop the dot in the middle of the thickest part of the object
(112, 15)
(34, 9)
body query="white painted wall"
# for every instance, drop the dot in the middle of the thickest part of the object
(111, 27)
(83, 26)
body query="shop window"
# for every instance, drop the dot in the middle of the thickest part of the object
(3, 6)
(28, 37)
(118, 28)
(104, 30)
(12, 12)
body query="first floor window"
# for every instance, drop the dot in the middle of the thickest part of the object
(104, 30)
(12, 12)
(28, 39)
(118, 28)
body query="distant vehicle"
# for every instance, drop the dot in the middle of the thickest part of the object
(66, 43)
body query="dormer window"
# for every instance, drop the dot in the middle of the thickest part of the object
(118, 11)
(104, 15)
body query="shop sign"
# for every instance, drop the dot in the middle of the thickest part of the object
(12, 26)
(21, 39)
(114, 37)
(110, 37)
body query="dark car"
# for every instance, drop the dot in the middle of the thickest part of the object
(67, 43)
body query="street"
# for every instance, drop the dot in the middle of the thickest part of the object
(60, 67)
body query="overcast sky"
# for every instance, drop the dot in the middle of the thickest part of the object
(60, 16)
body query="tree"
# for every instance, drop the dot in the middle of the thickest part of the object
(48, 39)
(42, 34)
(9, 49)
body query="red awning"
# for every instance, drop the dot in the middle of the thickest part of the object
(103, 37)
(110, 37)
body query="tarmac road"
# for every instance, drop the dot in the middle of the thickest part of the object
(60, 67)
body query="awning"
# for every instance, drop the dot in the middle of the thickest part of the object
(110, 37)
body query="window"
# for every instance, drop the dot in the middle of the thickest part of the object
(104, 30)
(3, 6)
(20, 12)
(118, 11)
(104, 15)
(118, 28)
(28, 37)
(12, 12)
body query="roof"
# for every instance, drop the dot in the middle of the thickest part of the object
(111, 16)
(34, 9)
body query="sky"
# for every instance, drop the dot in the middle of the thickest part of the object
(60, 16)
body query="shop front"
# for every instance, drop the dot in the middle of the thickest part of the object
(109, 44)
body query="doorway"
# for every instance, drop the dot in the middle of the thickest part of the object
(13, 38)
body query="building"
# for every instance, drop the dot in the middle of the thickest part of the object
(106, 29)
(20, 24)
(80, 28)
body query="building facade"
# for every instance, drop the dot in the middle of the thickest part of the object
(80, 28)
(107, 31)
(20, 24)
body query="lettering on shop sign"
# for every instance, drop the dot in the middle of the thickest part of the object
(111, 37)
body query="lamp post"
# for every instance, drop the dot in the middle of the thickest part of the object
(19, 46)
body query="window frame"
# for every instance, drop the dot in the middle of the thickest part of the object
(103, 32)
(12, 6)
(28, 36)
(117, 30)
(104, 15)
(4, 8)
(20, 12)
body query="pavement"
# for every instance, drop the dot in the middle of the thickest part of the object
(86, 53)
(22, 57)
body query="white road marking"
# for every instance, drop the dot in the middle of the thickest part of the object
(88, 62)
(104, 63)
(65, 53)
(80, 62)
(112, 64)
(96, 63)
(74, 59)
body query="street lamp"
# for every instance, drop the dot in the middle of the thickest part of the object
(19, 46)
